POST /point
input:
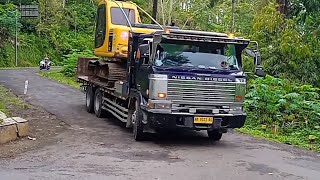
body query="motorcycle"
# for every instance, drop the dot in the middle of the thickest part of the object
(45, 64)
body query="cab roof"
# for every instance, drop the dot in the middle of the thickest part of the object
(202, 36)
(200, 33)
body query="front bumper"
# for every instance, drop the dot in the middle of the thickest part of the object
(186, 121)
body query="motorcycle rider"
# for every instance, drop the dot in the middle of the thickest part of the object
(45, 63)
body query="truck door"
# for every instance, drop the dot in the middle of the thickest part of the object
(140, 66)
(142, 76)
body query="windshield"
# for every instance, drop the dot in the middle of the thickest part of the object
(118, 18)
(207, 56)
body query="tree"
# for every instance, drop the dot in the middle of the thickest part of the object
(285, 52)
(8, 15)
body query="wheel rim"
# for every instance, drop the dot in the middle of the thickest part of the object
(134, 114)
(134, 120)
(97, 102)
(88, 98)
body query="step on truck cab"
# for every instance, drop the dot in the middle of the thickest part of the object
(174, 79)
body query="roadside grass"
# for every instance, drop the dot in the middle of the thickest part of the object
(298, 139)
(10, 102)
(60, 77)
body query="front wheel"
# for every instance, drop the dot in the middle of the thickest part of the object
(214, 135)
(138, 133)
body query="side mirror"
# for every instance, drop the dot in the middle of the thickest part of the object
(260, 72)
(157, 38)
(257, 62)
(257, 59)
(153, 45)
(144, 50)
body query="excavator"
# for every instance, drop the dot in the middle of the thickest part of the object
(112, 27)
(114, 22)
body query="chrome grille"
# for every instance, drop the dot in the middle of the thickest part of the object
(200, 93)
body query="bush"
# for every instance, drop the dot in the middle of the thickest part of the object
(70, 61)
(294, 108)
(32, 48)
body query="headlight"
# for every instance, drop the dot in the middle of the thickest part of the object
(240, 89)
(158, 86)
(237, 108)
(159, 105)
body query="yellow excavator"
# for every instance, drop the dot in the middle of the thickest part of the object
(115, 20)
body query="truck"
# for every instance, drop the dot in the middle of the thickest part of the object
(155, 78)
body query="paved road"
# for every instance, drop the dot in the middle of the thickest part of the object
(95, 148)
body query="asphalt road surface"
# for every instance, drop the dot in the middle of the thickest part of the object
(93, 148)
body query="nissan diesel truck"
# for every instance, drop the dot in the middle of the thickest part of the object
(172, 79)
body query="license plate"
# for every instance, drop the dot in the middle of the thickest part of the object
(203, 120)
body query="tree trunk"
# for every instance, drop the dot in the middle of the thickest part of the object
(170, 12)
(162, 12)
(233, 15)
(283, 6)
(155, 9)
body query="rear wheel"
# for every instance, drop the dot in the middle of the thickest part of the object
(89, 99)
(98, 104)
(138, 133)
(214, 135)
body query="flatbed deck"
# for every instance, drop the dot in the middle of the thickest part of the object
(88, 80)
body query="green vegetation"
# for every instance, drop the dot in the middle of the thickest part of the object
(284, 111)
(70, 61)
(60, 77)
(58, 31)
(9, 102)
(289, 38)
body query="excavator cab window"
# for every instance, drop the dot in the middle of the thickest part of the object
(118, 18)
(100, 26)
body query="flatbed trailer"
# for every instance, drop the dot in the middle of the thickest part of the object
(92, 80)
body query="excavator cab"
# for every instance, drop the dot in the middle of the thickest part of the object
(114, 21)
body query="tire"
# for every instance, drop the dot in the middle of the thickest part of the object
(89, 99)
(138, 133)
(214, 135)
(97, 105)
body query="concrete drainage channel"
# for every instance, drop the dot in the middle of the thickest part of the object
(11, 128)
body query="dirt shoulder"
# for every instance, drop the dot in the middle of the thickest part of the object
(44, 127)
